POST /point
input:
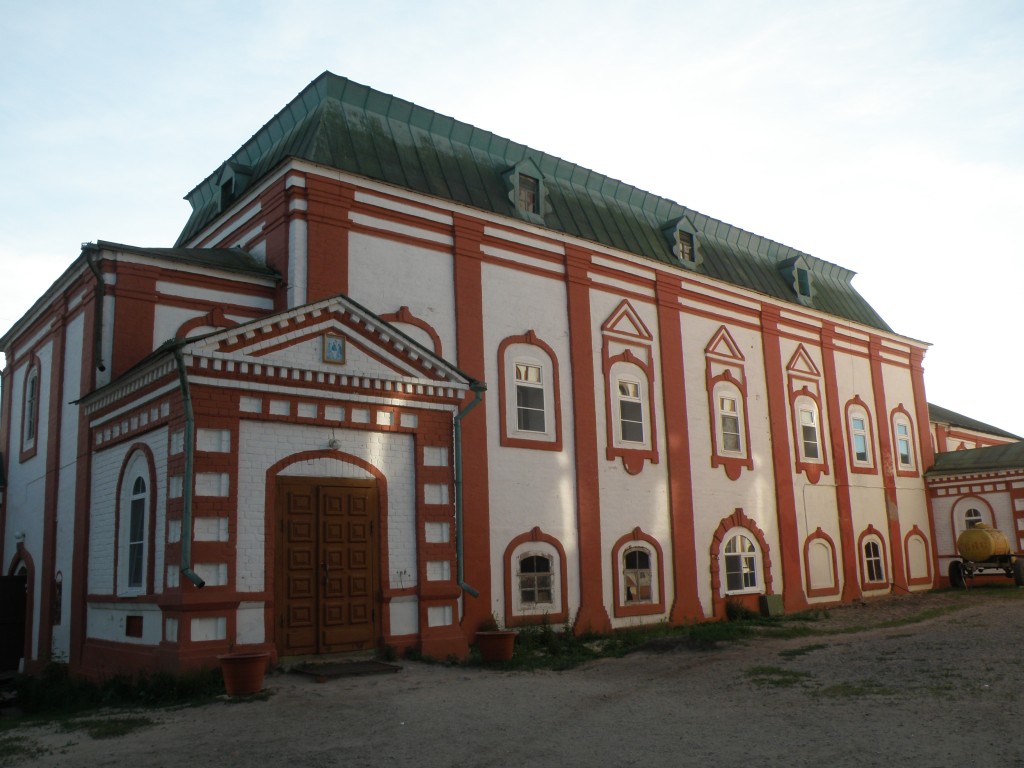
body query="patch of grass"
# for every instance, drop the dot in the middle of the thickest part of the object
(777, 677)
(13, 748)
(803, 650)
(107, 728)
(54, 692)
(931, 613)
(853, 690)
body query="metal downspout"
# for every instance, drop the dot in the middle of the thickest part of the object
(478, 388)
(186, 512)
(97, 327)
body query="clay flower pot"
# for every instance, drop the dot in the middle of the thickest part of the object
(243, 672)
(497, 644)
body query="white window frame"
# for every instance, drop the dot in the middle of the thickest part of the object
(728, 392)
(529, 385)
(535, 549)
(749, 562)
(546, 605)
(971, 521)
(30, 416)
(528, 355)
(870, 560)
(863, 432)
(805, 406)
(900, 422)
(640, 573)
(623, 373)
(134, 543)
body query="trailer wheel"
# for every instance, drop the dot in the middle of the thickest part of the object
(1018, 572)
(956, 575)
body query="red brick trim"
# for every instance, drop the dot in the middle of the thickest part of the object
(866, 585)
(917, 533)
(34, 367)
(620, 607)
(556, 617)
(820, 535)
(860, 469)
(151, 495)
(22, 555)
(404, 316)
(915, 470)
(738, 519)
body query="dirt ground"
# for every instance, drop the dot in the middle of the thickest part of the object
(937, 692)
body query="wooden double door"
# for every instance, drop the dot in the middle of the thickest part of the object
(326, 585)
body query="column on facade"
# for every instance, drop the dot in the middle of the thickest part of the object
(592, 614)
(469, 339)
(794, 597)
(686, 602)
(892, 511)
(848, 540)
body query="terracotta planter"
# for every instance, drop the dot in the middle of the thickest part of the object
(496, 645)
(243, 672)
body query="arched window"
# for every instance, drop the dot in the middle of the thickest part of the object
(30, 412)
(874, 560)
(637, 563)
(137, 533)
(874, 571)
(135, 503)
(741, 564)
(904, 450)
(808, 430)
(859, 440)
(636, 575)
(535, 585)
(528, 399)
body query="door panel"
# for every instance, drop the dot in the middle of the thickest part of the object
(328, 566)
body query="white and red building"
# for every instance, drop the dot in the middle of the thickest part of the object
(678, 413)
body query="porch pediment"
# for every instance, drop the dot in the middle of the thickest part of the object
(333, 336)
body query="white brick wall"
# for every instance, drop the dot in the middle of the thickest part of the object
(261, 445)
(106, 469)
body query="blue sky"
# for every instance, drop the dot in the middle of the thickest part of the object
(887, 137)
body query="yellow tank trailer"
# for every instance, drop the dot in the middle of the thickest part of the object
(983, 548)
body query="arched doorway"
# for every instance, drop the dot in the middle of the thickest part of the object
(326, 578)
(13, 617)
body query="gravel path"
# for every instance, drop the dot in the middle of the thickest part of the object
(875, 691)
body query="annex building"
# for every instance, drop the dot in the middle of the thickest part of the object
(399, 374)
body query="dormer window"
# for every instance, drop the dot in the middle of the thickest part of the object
(529, 194)
(232, 182)
(797, 274)
(526, 190)
(682, 237)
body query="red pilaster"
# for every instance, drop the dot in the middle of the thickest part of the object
(327, 232)
(847, 542)
(134, 302)
(793, 596)
(686, 603)
(892, 511)
(592, 615)
(469, 337)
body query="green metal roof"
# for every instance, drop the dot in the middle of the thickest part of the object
(940, 415)
(991, 458)
(344, 125)
(224, 259)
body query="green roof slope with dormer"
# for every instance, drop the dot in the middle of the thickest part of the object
(341, 124)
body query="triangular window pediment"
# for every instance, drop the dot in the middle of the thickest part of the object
(625, 322)
(801, 363)
(724, 346)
